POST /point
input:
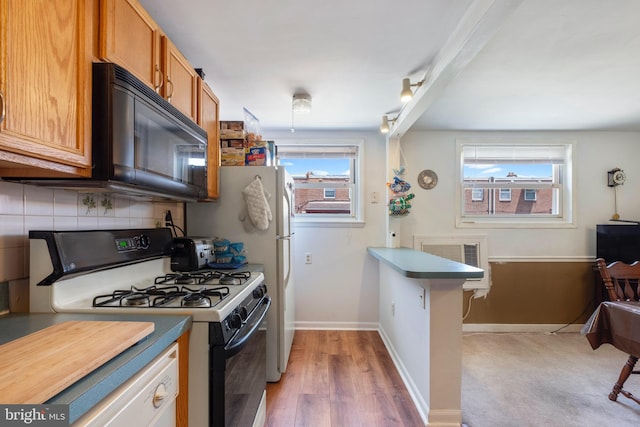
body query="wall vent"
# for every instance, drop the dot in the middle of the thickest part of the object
(470, 250)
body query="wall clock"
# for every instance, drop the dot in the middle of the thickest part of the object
(427, 179)
(616, 177)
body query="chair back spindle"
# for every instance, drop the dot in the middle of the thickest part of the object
(620, 279)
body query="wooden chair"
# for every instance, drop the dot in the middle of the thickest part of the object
(622, 283)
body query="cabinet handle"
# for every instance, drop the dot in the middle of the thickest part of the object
(159, 85)
(1, 107)
(169, 86)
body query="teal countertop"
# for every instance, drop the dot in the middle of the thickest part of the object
(421, 265)
(87, 392)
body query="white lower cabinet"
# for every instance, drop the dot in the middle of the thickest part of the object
(146, 399)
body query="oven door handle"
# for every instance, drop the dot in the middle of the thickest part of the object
(240, 340)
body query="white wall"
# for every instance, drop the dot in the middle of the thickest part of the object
(433, 210)
(340, 288)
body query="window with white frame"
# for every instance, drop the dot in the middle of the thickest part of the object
(329, 193)
(477, 195)
(326, 177)
(509, 172)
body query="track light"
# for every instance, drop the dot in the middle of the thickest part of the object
(384, 126)
(407, 94)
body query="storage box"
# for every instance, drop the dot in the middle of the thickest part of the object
(231, 125)
(256, 156)
(232, 156)
(233, 143)
(232, 134)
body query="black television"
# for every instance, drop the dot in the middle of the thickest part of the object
(619, 242)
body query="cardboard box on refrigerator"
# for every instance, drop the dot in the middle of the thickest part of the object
(231, 125)
(232, 134)
(256, 156)
(233, 143)
(232, 156)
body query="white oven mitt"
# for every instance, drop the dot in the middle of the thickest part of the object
(257, 204)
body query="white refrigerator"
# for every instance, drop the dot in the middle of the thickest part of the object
(228, 218)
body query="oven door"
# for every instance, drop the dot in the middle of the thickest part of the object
(239, 372)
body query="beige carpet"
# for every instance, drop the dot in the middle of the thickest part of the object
(543, 380)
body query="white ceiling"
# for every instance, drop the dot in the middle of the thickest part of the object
(489, 64)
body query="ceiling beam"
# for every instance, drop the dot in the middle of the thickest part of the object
(480, 23)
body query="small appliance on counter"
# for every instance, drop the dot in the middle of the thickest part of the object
(199, 253)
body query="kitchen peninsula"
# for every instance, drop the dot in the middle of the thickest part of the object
(421, 325)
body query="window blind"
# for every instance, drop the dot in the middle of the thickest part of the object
(317, 151)
(518, 154)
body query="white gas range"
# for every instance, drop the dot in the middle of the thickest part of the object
(129, 271)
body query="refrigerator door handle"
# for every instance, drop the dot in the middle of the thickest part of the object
(287, 237)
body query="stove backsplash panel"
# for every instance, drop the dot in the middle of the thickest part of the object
(25, 207)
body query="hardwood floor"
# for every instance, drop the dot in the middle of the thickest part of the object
(340, 379)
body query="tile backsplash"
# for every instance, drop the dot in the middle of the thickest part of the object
(26, 207)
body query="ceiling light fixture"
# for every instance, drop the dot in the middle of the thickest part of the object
(384, 126)
(301, 104)
(407, 94)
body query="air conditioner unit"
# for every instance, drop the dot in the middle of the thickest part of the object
(470, 250)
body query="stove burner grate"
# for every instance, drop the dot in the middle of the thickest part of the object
(236, 278)
(134, 297)
(164, 297)
(193, 278)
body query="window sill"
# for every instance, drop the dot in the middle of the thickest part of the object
(484, 223)
(327, 222)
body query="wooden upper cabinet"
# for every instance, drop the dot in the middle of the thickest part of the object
(209, 120)
(180, 80)
(130, 38)
(45, 87)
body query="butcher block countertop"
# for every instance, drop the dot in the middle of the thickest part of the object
(85, 393)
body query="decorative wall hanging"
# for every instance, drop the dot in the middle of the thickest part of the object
(427, 179)
(400, 201)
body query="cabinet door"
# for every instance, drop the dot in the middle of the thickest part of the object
(208, 119)
(180, 80)
(45, 51)
(131, 39)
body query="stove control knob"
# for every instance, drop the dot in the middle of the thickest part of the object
(234, 321)
(143, 241)
(258, 292)
(243, 312)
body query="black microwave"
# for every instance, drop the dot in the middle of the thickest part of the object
(141, 144)
(142, 141)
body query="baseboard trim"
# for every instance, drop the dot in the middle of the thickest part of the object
(444, 418)
(416, 396)
(338, 326)
(520, 327)
(466, 327)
